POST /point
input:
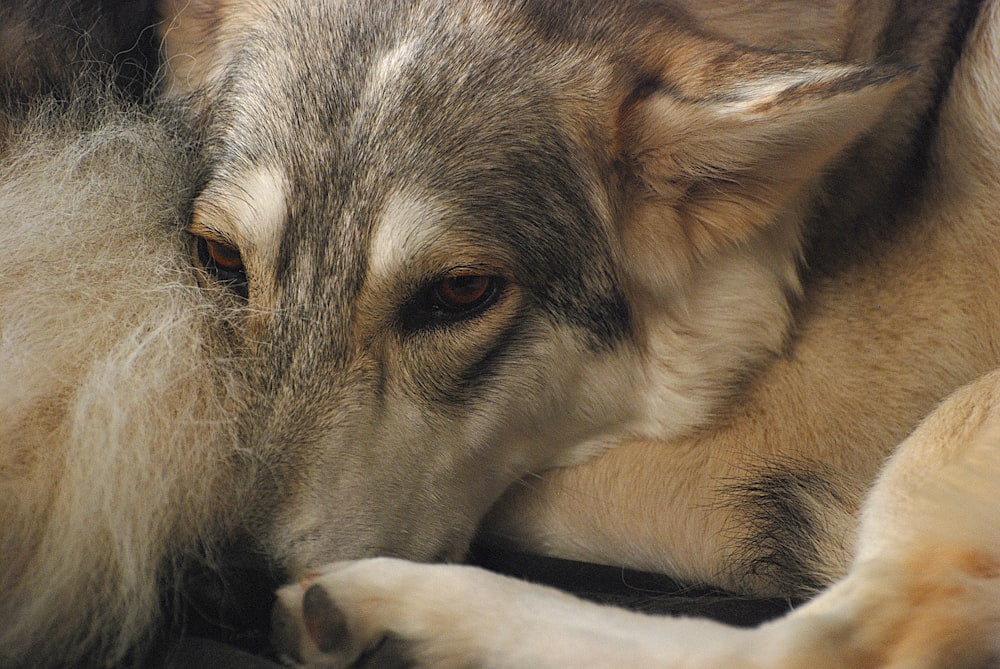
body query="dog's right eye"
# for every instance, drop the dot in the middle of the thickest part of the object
(224, 263)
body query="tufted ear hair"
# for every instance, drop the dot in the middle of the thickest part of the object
(717, 139)
(199, 38)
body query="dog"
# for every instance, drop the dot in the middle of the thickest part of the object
(398, 256)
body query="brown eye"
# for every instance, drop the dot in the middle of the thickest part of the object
(452, 299)
(225, 257)
(224, 263)
(461, 293)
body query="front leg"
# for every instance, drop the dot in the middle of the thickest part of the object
(924, 590)
(450, 616)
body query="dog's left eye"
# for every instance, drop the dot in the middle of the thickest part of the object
(463, 293)
(452, 299)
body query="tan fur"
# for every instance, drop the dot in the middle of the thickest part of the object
(114, 405)
(879, 346)
(876, 348)
(324, 411)
(718, 149)
(874, 353)
(923, 589)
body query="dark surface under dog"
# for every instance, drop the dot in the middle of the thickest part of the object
(225, 624)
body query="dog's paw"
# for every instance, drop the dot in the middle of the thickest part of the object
(402, 613)
(308, 628)
(392, 613)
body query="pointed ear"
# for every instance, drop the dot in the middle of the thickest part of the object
(198, 40)
(719, 139)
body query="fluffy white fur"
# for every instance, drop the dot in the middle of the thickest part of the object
(118, 448)
(114, 393)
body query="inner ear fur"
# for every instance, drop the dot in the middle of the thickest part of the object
(717, 139)
(198, 39)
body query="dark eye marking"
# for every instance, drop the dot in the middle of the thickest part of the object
(223, 263)
(449, 300)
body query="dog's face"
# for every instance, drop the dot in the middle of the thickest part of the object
(466, 240)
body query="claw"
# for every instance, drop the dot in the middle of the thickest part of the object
(325, 623)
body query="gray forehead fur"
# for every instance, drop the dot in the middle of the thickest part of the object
(469, 120)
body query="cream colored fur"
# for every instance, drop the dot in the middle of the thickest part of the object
(114, 397)
(876, 348)
(125, 367)
(923, 588)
